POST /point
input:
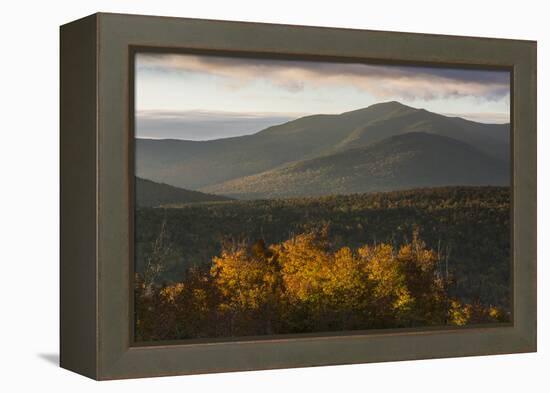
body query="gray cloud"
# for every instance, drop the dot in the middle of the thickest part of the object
(204, 125)
(382, 81)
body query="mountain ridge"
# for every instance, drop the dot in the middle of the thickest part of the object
(411, 160)
(199, 164)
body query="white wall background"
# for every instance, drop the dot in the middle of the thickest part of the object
(29, 167)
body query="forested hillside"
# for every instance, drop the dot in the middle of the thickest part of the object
(150, 194)
(300, 286)
(450, 246)
(411, 160)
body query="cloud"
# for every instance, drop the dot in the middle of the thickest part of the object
(381, 81)
(204, 125)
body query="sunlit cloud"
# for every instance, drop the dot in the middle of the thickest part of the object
(381, 81)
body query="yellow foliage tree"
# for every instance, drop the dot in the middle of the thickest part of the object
(305, 285)
(249, 282)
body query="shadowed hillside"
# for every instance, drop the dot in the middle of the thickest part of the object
(151, 194)
(405, 161)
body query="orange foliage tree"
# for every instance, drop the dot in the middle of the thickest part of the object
(304, 284)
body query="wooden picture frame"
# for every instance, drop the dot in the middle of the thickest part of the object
(97, 198)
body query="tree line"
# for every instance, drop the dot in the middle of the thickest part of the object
(306, 283)
(469, 226)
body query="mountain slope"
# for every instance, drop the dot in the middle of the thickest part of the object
(493, 139)
(151, 194)
(196, 164)
(405, 161)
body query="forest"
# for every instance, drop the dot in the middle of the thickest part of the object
(424, 257)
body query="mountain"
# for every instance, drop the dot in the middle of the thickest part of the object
(151, 194)
(492, 139)
(411, 160)
(198, 164)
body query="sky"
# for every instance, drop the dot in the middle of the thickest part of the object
(200, 97)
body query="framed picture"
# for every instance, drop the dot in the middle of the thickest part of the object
(241, 196)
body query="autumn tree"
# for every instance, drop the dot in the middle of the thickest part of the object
(249, 281)
(305, 284)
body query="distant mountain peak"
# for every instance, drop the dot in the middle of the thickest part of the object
(197, 165)
(381, 109)
(391, 105)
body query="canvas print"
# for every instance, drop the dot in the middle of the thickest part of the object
(287, 196)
